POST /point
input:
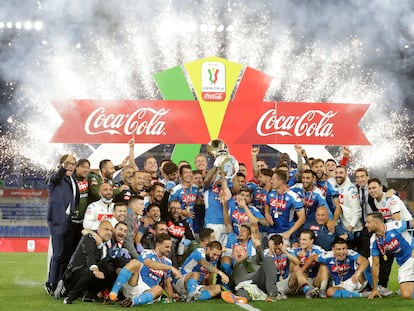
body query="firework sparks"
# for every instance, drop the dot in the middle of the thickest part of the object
(115, 55)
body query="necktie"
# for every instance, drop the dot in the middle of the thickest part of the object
(363, 204)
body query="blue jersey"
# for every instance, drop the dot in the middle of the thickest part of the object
(259, 196)
(153, 277)
(238, 215)
(186, 196)
(340, 270)
(328, 192)
(397, 240)
(292, 177)
(249, 246)
(191, 264)
(282, 210)
(282, 266)
(311, 200)
(213, 206)
(323, 237)
(303, 257)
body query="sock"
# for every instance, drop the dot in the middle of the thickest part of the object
(191, 286)
(226, 268)
(121, 279)
(305, 288)
(205, 295)
(324, 285)
(342, 293)
(143, 299)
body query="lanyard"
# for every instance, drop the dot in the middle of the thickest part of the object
(381, 244)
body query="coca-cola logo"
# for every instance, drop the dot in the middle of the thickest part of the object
(340, 268)
(142, 121)
(311, 123)
(188, 198)
(391, 245)
(217, 96)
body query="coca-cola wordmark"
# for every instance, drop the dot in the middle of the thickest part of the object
(147, 121)
(311, 123)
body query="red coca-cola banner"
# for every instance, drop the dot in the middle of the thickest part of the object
(89, 121)
(305, 123)
(105, 121)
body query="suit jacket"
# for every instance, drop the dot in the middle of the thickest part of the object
(86, 254)
(245, 269)
(60, 198)
(371, 200)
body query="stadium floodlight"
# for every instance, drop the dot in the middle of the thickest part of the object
(18, 25)
(220, 28)
(9, 25)
(28, 25)
(2, 25)
(38, 25)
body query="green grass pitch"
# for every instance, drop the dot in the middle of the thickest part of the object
(21, 288)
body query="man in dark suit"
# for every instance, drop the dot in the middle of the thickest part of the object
(87, 270)
(368, 207)
(63, 197)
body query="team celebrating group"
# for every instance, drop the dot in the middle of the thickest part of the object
(170, 233)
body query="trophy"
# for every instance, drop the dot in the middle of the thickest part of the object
(223, 160)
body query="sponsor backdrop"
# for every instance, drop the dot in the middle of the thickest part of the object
(207, 99)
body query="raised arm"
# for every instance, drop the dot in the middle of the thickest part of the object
(255, 152)
(209, 177)
(131, 157)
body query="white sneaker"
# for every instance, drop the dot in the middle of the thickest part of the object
(255, 292)
(384, 291)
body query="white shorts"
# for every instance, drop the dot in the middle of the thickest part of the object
(220, 232)
(406, 271)
(180, 289)
(353, 287)
(130, 291)
(283, 287)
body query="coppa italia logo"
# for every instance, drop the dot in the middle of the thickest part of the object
(242, 120)
(213, 83)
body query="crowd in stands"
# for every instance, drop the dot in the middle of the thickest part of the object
(166, 232)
